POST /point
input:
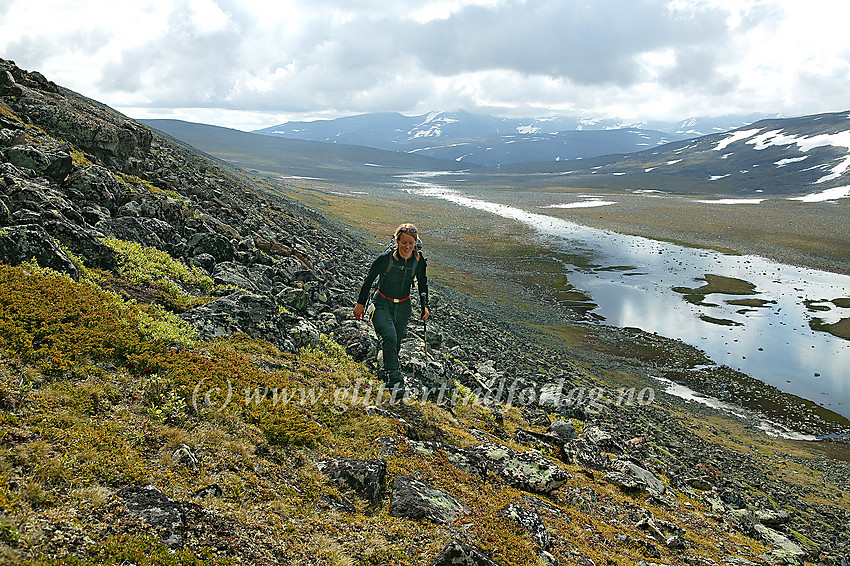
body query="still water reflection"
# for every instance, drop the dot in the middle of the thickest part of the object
(770, 339)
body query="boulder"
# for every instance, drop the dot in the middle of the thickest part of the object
(584, 453)
(98, 185)
(239, 312)
(457, 553)
(218, 246)
(531, 521)
(417, 500)
(528, 471)
(565, 431)
(304, 335)
(149, 232)
(366, 477)
(234, 274)
(785, 550)
(83, 243)
(28, 157)
(636, 477)
(30, 241)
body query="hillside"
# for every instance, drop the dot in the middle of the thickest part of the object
(298, 157)
(786, 157)
(181, 382)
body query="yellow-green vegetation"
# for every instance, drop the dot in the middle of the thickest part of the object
(79, 158)
(6, 111)
(94, 401)
(141, 265)
(133, 180)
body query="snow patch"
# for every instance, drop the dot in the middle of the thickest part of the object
(733, 201)
(834, 193)
(583, 204)
(528, 130)
(737, 136)
(784, 162)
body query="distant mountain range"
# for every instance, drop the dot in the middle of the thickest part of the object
(789, 156)
(476, 139)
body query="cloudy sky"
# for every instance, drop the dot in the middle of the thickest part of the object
(250, 64)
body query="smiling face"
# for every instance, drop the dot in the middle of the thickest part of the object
(406, 243)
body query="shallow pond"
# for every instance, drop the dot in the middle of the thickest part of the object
(769, 320)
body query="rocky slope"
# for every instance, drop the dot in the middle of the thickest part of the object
(182, 383)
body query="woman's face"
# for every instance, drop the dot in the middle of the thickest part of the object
(406, 243)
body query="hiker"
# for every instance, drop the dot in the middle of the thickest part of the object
(395, 270)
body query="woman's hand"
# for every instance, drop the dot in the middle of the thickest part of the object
(426, 313)
(359, 309)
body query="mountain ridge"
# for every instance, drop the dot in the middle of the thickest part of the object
(490, 140)
(789, 156)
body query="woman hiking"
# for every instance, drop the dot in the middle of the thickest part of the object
(395, 270)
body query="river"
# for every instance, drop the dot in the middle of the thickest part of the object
(639, 282)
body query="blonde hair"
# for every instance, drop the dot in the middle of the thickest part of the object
(406, 228)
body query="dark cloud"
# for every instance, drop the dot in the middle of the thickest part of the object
(697, 68)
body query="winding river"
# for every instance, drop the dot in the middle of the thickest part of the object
(759, 322)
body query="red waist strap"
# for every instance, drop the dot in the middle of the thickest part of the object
(391, 299)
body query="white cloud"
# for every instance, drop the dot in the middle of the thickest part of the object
(637, 60)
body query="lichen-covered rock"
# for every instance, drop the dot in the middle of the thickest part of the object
(218, 246)
(28, 157)
(304, 335)
(184, 455)
(98, 185)
(583, 453)
(417, 500)
(150, 232)
(529, 471)
(457, 553)
(531, 521)
(366, 477)
(631, 476)
(159, 510)
(785, 550)
(83, 243)
(235, 275)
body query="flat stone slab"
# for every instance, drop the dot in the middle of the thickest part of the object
(159, 510)
(366, 477)
(528, 471)
(415, 499)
